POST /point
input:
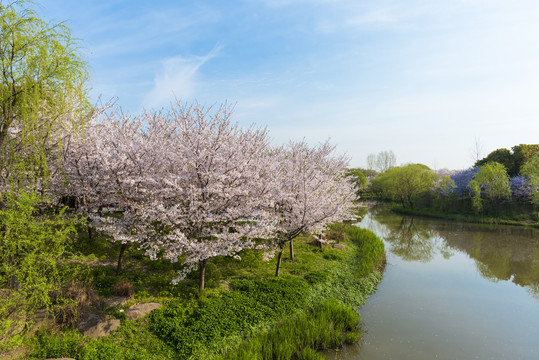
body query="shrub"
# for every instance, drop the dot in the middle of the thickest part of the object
(123, 288)
(57, 345)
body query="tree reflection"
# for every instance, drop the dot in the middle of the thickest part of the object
(500, 252)
(411, 242)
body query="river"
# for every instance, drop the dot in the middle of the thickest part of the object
(451, 291)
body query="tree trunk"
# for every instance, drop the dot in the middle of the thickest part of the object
(202, 265)
(119, 266)
(291, 249)
(89, 232)
(279, 257)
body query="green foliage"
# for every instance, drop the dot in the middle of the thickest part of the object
(219, 321)
(405, 183)
(500, 156)
(371, 254)
(58, 345)
(32, 249)
(317, 277)
(189, 326)
(522, 154)
(332, 255)
(531, 170)
(42, 86)
(359, 178)
(492, 178)
(357, 275)
(328, 325)
(512, 159)
(132, 341)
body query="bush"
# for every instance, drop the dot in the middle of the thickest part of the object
(58, 345)
(123, 288)
(77, 299)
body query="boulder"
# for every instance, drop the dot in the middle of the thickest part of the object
(93, 326)
(338, 246)
(140, 310)
(116, 301)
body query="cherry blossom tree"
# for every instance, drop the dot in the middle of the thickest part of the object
(212, 195)
(107, 164)
(311, 191)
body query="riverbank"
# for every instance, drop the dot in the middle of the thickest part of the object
(467, 218)
(245, 311)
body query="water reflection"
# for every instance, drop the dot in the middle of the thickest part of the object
(453, 291)
(500, 252)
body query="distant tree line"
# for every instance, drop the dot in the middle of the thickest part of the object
(503, 179)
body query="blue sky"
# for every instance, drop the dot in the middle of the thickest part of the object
(425, 79)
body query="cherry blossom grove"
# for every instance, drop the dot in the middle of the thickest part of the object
(192, 185)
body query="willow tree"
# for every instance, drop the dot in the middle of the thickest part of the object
(405, 183)
(493, 181)
(42, 92)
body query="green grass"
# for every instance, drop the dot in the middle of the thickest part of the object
(314, 297)
(326, 326)
(133, 340)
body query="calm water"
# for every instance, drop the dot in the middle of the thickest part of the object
(451, 291)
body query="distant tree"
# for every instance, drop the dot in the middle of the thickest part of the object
(406, 183)
(520, 188)
(531, 170)
(512, 159)
(462, 179)
(522, 153)
(42, 90)
(369, 173)
(477, 149)
(381, 161)
(444, 185)
(501, 156)
(359, 179)
(492, 179)
(371, 161)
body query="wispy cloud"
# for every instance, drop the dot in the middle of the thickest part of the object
(177, 78)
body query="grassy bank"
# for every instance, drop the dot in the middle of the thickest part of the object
(246, 313)
(469, 217)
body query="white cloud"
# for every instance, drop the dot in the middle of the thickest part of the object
(177, 79)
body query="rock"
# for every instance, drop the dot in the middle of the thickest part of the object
(140, 310)
(116, 301)
(93, 326)
(339, 246)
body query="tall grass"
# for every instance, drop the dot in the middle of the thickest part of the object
(328, 325)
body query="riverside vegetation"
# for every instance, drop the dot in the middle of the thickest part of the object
(245, 313)
(502, 188)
